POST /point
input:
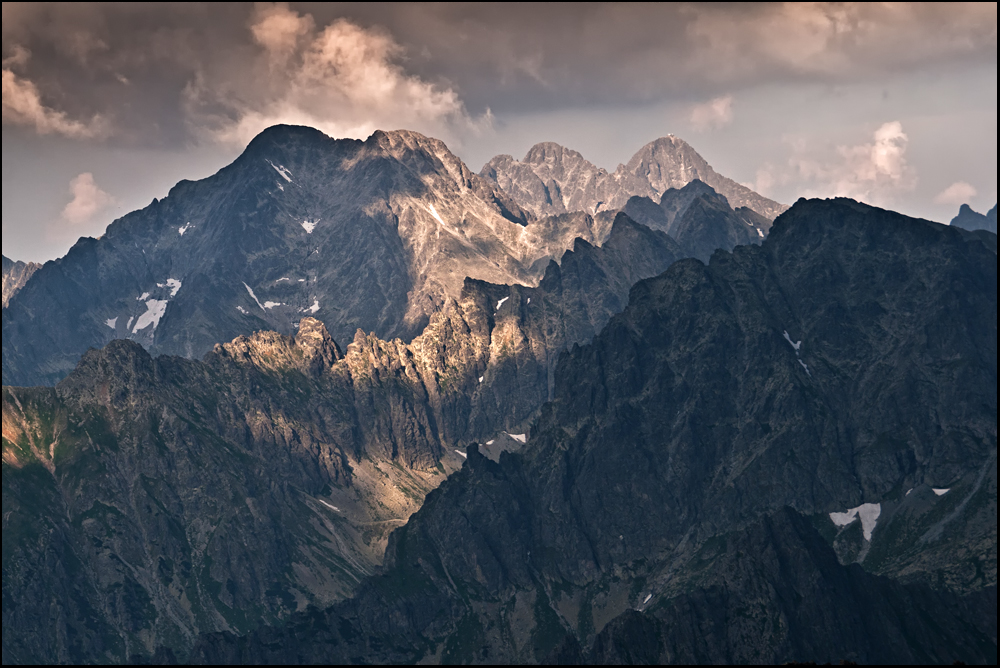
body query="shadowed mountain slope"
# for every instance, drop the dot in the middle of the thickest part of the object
(845, 369)
(971, 220)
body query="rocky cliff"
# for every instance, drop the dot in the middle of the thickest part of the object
(845, 370)
(553, 180)
(15, 276)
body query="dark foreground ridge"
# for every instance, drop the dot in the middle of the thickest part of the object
(674, 501)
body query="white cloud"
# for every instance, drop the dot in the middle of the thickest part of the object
(957, 193)
(88, 200)
(714, 114)
(22, 105)
(345, 80)
(875, 172)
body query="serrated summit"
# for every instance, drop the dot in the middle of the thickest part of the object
(553, 179)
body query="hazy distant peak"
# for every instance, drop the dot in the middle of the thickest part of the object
(970, 219)
(551, 153)
(552, 179)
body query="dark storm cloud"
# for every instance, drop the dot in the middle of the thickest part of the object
(163, 74)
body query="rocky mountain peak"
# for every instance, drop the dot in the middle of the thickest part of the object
(553, 180)
(972, 220)
(555, 155)
(320, 350)
(15, 276)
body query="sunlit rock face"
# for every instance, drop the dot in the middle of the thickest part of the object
(15, 276)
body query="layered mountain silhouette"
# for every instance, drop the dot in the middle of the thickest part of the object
(971, 220)
(15, 275)
(683, 495)
(553, 179)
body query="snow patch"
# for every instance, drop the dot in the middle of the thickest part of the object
(143, 297)
(760, 233)
(282, 279)
(868, 513)
(529, 300)
(910, 492)
(462, 453)
(490, 442)
(333, 508)
(173, 284)
(182, 230)
(500, 303)
(309, 226)
(647, 599)
(285, 174)
(481, 379)
(242, 310)
(314, 308)
(795, 345)
(128, 325)
(435, 214)
(940, 492)
(254, 296)
(521, 438)
(154, 311)
(111, 322)
(270, 305)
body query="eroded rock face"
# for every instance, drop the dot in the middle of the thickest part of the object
(552, 179)
(15, 276)
(849, 361)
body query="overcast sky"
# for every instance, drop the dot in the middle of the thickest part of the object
(107, 106)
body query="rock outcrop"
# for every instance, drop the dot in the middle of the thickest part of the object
(15, 276)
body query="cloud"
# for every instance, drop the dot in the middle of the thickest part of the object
(957, 193)
(88, 200)
(279, 30)
(345, 80)
(712, 115)
(22, 105)
(215, 65)
(876, 172)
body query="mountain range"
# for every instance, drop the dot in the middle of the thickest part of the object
(786, 455)
(542, 414)
(553, 179)
(374, 235)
